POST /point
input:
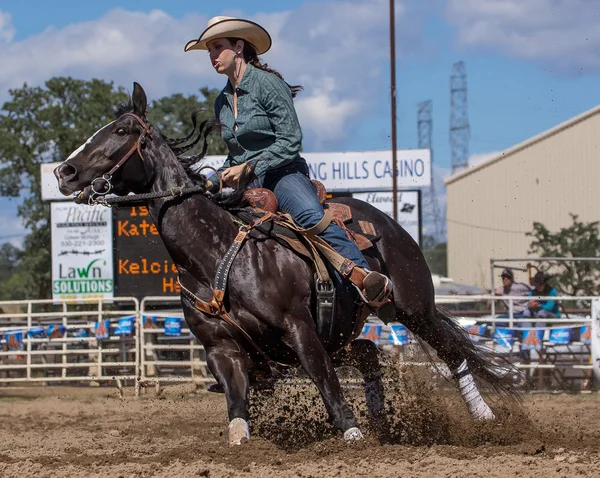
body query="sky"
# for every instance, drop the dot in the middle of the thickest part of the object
(531, 64)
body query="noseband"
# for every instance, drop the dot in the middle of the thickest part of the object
(138, 146)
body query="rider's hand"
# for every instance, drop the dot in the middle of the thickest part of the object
(231, 176)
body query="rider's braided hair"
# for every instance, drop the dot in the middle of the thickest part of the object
(251, 57)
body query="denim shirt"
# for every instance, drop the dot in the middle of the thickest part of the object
(268, 134)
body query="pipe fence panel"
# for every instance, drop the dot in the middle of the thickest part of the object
(169, 351)
(66, 341)
(148, 343)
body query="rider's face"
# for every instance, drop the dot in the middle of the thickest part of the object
(221, 54)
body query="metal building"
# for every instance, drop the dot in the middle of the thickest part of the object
(492, 205)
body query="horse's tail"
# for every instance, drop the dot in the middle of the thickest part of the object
(494, 372)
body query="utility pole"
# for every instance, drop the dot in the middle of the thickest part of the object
(393, 95)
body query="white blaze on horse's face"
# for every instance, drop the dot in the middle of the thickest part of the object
(89, 140)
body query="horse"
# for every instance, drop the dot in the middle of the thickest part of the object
(271, 292)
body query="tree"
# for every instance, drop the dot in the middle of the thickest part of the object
(436, 255)
(171, 115)
(580, 239)
(45, 124)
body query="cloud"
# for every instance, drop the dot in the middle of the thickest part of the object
(7, 31)
(559, 34)
(337, 50)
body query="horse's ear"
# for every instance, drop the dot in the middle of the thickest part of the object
(140, 102)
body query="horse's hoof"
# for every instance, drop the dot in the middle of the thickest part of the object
(238, 431)
(353, 434)
(485, 414)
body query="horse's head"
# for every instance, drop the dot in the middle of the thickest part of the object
(110, 161)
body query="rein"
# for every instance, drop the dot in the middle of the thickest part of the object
(138, 146)
(98, 197)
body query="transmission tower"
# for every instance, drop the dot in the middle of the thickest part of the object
(425, 132)
(459, 117)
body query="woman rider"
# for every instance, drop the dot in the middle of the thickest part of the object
(262, 133)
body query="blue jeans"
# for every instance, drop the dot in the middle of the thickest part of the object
(297, 196)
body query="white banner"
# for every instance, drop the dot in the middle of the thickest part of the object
(409, 216)
(344, 172)
(82, 251)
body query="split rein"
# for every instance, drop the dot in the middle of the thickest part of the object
(98, 195)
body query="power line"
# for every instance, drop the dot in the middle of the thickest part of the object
(475, 226)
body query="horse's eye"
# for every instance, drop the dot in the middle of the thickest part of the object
(121, 131)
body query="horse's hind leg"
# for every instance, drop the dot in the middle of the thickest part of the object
(364, 356)
(316, 362)
(228, 365)
(453, 345)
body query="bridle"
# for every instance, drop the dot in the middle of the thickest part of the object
(138, 146)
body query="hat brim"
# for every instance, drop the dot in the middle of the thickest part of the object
(244, 29)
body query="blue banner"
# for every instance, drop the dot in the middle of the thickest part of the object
(586, 334)
(504, 337)
(56, 331)
(125, 326)
(476, 332)
(560, 336)
(81, 334)
(149, 322)
(14, 339)
(37, 333)
(398, 334)
(173, 326)
(372, 332)
(532, 339)
(101, 329)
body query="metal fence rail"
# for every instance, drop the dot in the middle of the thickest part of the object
(54, 341)
(159, 349)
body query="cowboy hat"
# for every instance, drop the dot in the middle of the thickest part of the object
(229, 27)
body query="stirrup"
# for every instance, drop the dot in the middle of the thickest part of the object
(376, 288)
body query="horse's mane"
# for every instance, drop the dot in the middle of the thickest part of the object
(192, 164)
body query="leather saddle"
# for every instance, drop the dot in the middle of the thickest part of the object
(362, 233)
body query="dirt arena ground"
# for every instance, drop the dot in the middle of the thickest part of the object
(89, 432)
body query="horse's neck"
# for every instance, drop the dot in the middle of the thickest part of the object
(195, 231)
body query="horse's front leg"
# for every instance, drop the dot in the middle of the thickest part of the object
(364, 356)
(303, 339)
(228, 364)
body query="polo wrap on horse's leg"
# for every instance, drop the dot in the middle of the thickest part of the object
(470, 394)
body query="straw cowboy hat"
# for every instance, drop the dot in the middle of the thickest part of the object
(228, 27)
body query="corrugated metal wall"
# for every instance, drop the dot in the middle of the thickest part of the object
(490, 208)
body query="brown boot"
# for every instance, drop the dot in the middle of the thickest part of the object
(377, 289)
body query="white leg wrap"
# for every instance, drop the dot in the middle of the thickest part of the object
(470, 394)
(353, 434)
(238, 431)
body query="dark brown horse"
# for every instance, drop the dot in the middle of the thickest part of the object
(270, 289)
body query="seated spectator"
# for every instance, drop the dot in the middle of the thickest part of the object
(512, 288)
(546, 308)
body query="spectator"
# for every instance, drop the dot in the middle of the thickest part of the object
(512, 288)
(545, 308)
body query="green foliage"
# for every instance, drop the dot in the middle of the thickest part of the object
(45, 124)
(580, 239)
(172, 116)
(436, 255)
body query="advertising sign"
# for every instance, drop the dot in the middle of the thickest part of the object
(338, 171)
(143, 266)
(82, 253)
(409, 208)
